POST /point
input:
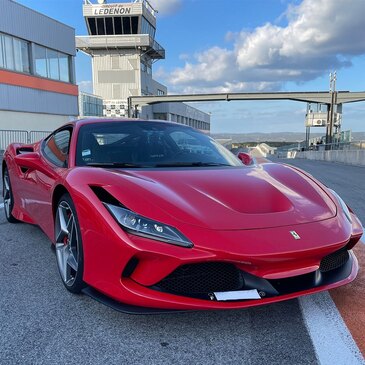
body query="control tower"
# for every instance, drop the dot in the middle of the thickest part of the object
(121, 43)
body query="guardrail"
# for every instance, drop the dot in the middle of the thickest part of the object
(8, 136)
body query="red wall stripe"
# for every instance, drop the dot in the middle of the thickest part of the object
(17, 79)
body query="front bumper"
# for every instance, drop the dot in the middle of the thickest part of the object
(151, 301)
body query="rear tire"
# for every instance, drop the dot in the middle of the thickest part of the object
(69, 251)
(8, 197)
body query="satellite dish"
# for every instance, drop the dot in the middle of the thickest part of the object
(101, 1)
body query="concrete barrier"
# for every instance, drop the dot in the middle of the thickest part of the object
(348, 157)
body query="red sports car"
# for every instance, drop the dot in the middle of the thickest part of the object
(152, 215)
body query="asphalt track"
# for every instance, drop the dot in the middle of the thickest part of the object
(41, 323)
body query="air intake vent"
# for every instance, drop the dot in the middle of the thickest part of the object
(334, 260)
(104, 196)
(198, 280)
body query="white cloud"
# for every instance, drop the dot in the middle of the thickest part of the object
(320, 35)
(166, 7)
(86, 86)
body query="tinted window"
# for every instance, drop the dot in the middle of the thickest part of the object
(118, 25)
(148, 144)
(56, 147)
(101, 26)
(109, 25)
(127, 25)
(92, 25)
(134, 24)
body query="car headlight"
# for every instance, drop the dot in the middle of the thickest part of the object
(343, 205)
(145, 227)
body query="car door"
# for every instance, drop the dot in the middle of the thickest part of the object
(54, 154)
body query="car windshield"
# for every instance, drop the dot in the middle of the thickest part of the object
(148, 144)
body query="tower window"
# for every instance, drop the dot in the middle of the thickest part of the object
(109, 26)
(134, 24)
(101, 26)
(126, 25)
(118, 25)
(92, 25)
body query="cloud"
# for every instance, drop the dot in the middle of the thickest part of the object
(320, 35)
(86, 86)
(166, 7)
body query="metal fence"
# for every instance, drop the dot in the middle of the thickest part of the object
(35, 136)
(11, 136)
(355, 145)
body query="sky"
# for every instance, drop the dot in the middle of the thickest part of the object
(248, 46)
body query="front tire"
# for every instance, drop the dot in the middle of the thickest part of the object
(8, 197)
(69, 251)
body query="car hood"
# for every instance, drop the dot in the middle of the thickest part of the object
(264, 196)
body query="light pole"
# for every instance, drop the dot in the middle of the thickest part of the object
(329, 132)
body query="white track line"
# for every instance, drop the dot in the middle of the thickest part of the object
(331, 338)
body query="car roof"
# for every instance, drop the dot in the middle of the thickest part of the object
(93, 120)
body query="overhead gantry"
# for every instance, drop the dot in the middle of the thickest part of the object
(331, 99)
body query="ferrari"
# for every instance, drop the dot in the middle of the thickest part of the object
(156, 216)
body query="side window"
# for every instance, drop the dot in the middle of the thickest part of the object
(57, 146)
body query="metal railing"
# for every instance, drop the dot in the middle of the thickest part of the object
(8, 136)
(11, 136)
(355, 145)
(35, 136)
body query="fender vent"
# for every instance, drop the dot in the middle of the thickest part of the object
(104, 196)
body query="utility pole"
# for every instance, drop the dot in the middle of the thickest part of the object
(330, 114)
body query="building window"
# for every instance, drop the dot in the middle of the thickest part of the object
(147, 28)
(40, 56)
(51, 64)
(53, 67)
(118, 25)
(92, 25)
(2, 53)
(64, 62)
(9, 59)
(160, 92)
(109, 26)
(134, 20)
(127, 25)
(100, 26)
(14, 54)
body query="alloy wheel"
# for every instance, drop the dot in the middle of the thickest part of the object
(7, 194)
(67, 243)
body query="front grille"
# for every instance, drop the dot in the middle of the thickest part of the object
(198, 280)
(334, 260)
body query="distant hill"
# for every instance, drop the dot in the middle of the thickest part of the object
(275, 137)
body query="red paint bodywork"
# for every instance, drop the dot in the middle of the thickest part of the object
(238, 215)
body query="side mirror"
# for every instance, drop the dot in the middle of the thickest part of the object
(246, 158)
(31, 161)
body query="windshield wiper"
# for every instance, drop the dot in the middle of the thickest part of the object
(114, 164)
(190, 164)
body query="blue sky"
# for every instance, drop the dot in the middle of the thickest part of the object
(249, 45)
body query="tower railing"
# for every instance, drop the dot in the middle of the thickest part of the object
(143, 41)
